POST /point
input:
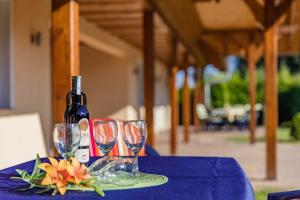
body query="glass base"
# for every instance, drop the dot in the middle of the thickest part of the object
(117, 171)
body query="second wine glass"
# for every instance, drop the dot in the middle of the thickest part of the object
(135, 136)
(105, 134)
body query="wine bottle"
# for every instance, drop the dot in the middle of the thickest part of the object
(77, 112)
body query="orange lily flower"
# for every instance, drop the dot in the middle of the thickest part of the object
(61, 172)
(77, 171)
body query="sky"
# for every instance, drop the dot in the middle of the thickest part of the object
(210, 73)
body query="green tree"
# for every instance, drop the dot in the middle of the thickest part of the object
(238, 89)
(218, 96)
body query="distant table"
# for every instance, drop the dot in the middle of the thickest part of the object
(190, 178)
(284, 195)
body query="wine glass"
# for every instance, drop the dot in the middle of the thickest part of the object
(105, 134)
(66, 139)
(135, 135)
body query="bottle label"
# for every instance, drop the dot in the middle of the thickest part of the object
(78, 86)
(82, 154)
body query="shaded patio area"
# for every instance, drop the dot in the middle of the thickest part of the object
(250, 156)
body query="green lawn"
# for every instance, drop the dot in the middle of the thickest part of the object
(263, 194)
(283, 136)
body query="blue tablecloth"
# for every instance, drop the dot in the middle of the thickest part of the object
(189, 178)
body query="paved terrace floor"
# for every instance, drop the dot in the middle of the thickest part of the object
(250, 157)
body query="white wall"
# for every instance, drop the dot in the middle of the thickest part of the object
(105, 82)
(31, 72)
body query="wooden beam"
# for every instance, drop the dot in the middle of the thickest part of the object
(148, 50)
(236, 41)
(186, 102)
(173, 96)
(65, 51)
(232, 31)
(257, 10)
(251, 63)
(271, 104)
(212, 56)
(188, 29)
(283, 7)
(196, 98)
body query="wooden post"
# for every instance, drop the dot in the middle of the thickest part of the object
(271, 108)
(65, 51)
(186, 103)
(148, 32)
(174, 109)
(196, 99)
(173, 98)
(251, 62)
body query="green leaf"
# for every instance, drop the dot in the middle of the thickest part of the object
(37, 179)
(55, 191)
(47, 189)
(84, 182)
(28, 188)
(24, 174)
(36, 169)
(97, 186)
(99, 191)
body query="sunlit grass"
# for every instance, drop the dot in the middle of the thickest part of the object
(283, 136)
(263, 193)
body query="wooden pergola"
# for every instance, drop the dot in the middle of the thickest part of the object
(180, 34)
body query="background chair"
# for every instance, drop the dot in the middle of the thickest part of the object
(21, 139)
(151, 151)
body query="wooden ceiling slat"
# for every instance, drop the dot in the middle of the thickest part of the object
(120, 27)
(101, 8)
(109, 12)
(129, 29)
(123, 18)
(114, 19)
(115, 16)
(118, 23)
(106, 2)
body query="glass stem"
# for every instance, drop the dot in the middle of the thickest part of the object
(106, 157)
(135, 163)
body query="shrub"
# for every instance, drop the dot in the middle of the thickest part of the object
(295, 131)
(218, 96)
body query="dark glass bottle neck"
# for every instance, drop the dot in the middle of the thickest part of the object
(76, 99)
(76, 84)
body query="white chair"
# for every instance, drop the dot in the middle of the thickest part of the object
(21, 138)
(201, 111)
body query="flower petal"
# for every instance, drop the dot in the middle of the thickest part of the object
(75, 164)
(62, 165)
(47, 180)
(51, 171)
(70, 170)
(53, 161)
(43, 166)
(62, 187)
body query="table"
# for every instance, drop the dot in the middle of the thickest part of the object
(289, 195)
(206, 178)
